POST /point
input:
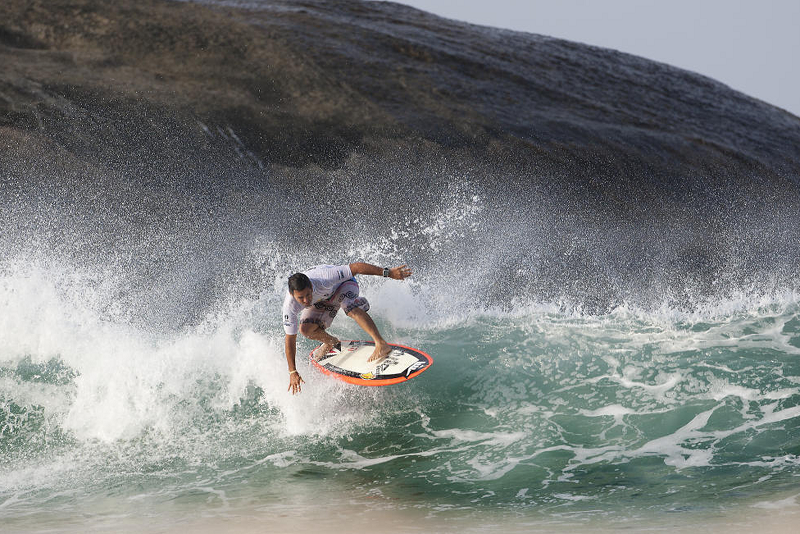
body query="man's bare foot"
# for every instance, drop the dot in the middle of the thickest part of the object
(381, 351)
(325, 348)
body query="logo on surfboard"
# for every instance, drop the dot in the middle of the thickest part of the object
(413, 367)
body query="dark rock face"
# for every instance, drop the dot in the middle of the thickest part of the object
(244, 118)
(303, 83)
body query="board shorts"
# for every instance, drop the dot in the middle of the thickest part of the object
(345, 297)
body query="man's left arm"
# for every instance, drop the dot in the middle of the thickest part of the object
(396, 273)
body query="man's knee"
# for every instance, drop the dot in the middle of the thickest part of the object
(308, 328)
(354, 312)
(359, 303)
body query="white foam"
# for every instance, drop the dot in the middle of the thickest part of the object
(458, 435)
(671, 448)
(574, 498)
(128, 380)
(782, 504)
(722, 389)
(616, 411)
(658, 390)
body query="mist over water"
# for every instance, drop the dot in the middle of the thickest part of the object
(586, 363)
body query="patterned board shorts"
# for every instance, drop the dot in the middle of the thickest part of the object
(324, 311)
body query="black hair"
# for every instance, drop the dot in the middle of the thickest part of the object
(298, 282)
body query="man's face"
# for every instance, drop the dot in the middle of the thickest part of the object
(303, 297)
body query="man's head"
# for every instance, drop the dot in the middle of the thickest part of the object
(300, 289)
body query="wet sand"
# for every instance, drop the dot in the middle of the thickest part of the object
(778, 514)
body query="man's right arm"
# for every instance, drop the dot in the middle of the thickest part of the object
(290, 346)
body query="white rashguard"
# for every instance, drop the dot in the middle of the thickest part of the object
(325, 280)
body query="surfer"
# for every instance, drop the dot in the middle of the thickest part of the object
(317, 295)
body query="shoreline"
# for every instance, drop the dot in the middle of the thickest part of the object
(777, 515)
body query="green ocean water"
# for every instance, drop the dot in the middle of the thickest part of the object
(534, 412)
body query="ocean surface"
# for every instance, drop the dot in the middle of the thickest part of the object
(143, 385)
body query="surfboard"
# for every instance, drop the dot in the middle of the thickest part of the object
(350, 364)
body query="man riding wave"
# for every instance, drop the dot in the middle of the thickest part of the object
(316, 296)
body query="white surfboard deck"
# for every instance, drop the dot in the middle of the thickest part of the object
(351, 364)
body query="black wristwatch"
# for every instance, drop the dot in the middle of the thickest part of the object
(386, 272)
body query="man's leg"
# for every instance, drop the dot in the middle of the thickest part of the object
(382, 349)
(317, 333)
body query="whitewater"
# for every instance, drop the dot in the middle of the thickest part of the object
(143, 384)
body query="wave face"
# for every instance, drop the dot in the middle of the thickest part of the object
(580, 370)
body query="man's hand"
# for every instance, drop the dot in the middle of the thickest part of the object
(294, 382)
(400, 273)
